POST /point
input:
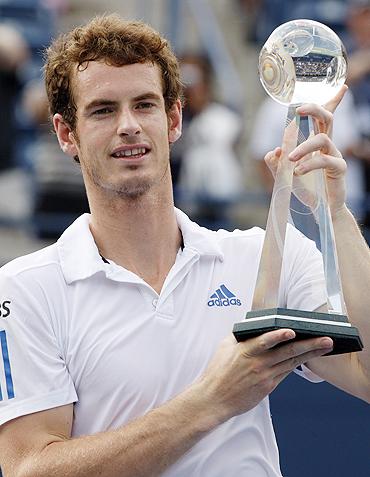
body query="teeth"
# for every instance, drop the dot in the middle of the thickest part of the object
(130, 152)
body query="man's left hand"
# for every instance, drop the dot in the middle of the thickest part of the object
(319, 152)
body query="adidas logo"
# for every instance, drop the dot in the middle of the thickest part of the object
(223, 297)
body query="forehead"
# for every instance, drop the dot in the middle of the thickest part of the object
(99, 80)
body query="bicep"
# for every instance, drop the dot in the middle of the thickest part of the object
(27, 436)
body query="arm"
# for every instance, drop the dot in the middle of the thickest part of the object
(237, 379)
(350, 372)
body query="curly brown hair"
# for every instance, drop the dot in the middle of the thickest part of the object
(117, 42)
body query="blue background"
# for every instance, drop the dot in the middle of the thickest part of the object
(321, 431)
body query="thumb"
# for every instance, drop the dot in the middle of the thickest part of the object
(265, 342)
(272, 160)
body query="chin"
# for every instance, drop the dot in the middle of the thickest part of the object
(130, 190)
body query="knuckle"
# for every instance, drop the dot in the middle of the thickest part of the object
(263, 343)
(328, 118)
(269, 156)
(291, 349)
(328, 142)
(310, 106)
(263, 378)
(323, 137)
(265, 389)
(267, 385)
(257, 368)
(294, 362)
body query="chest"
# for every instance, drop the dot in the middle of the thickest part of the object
(131, 349)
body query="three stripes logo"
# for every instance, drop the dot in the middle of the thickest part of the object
(223, 297)
(5, 370)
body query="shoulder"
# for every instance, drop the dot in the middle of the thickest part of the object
(39, 266)
(238, 240)
(297, 243)
(35, 289)
(52, 260)
(254, 233)
(210, 242)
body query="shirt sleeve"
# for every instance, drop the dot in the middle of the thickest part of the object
(303, 281)
(33, 373)
(306, 373)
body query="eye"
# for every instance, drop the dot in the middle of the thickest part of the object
(145, 105)
(102, 111)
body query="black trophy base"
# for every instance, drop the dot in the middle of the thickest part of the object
(306, 324)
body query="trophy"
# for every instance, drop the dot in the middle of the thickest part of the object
(302, 61)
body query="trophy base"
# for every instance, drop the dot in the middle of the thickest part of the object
(306, 324)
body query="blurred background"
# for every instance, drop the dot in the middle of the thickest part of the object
(219, 175)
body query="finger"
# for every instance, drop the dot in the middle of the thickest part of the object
(287, 366)
(278, 379)
(323, 115)
(323, 118)
(335, 166)
(272, 159)
(320, 142)
(295, 353)
(318, 111)
(273, 155)
(266, 341)
(334, 102)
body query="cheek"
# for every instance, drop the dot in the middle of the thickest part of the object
(94, 141)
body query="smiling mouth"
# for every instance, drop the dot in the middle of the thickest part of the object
(134, 153)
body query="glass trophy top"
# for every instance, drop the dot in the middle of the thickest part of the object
(302, 61)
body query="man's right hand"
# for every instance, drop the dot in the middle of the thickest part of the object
(240, 375)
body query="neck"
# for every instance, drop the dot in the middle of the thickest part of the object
(141, 235)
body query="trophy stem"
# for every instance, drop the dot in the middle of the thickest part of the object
(268, 278)
(334, 289)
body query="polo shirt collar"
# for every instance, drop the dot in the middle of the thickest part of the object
(197, 238)
(78, 254)
(80, 257)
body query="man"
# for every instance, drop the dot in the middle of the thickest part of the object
(116, 362)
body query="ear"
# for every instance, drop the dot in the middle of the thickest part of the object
(175, 122)
(66, 138)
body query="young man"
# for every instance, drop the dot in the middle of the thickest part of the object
(116, 363)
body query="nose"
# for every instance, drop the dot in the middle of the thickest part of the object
(128, 124)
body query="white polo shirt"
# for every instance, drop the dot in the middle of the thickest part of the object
(79, 330)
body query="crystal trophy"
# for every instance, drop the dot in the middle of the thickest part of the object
(302, 61)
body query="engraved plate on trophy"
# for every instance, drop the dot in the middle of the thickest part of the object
(302, 61)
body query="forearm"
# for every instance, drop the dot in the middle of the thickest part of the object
(351, 372)
(145, 447)
(354, 264)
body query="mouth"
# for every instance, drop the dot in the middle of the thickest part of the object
(128, 153)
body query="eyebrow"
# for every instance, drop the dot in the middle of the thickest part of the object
(108, 102)
(99, 102)
(148, 95)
